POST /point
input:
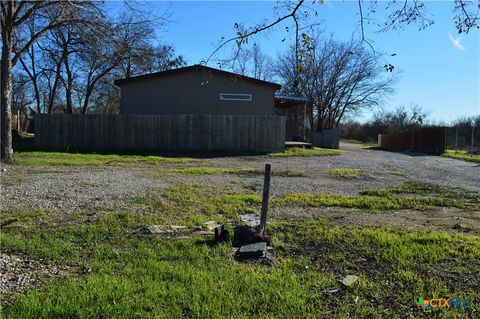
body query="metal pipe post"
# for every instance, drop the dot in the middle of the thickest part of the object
(266, 191)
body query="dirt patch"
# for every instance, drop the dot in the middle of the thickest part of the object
(444, 219)
(19, 272)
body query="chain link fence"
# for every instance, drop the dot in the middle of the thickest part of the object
(463, 138)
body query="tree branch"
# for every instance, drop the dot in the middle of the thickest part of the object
(242, 36)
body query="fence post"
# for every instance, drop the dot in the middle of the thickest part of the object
(266, 191)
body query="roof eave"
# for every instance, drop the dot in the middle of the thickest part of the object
(195, 67)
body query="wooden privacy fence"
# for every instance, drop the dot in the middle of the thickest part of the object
(159, 132)
(427, 140)
(328, 138)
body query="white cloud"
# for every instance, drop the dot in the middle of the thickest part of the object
(457, 42)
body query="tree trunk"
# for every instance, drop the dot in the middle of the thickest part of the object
(86, 101)
(129, 65)
(320, 123)
(34, 78)
(32, 74)
(6, 98)
(91, 85)
(68, 91)
(53, 91)
(69, 84)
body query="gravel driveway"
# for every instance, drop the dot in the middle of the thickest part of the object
(63, 190)
(66, 189)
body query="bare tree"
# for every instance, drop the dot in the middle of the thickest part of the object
(253, 62)
(68, 43)
(15, 16)
(140, 56)
(62, 57)
(53, 58)
(106, 98)
(290, 10)
(163, 57)
(148, 59)
(126, 44)
(32, 70)
(43, 64)
(136, 38)
(21, 99)
(338, 78)
(99, 54)
(402, 118)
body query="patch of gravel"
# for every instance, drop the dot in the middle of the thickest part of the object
(77, 189)
(19, 272)
(426, 168)
(83, 189)
(383, 169)
(318, 183)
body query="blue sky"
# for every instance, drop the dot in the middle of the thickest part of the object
(440, 71)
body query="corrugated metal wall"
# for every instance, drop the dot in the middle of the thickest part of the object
(156, 132)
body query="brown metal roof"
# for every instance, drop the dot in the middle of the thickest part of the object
(196, 67)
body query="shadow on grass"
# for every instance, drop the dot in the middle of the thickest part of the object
(408, 153)
(446, 154)
(27, 144)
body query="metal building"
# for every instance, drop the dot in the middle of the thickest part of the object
(196, 89)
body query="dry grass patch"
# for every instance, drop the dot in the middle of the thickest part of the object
(345, 172)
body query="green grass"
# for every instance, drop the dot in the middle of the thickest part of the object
(395, 267)
(114, 274)
(194, 204)
(304, 152)
(211, 170)
(345, 172)
(233, 170)
(462, 155)
(372, 201)
(409, 195)
(352, 141)
(429, 189)
(11, 180)
(153, 277)
(26, 154)
(369, 146)
(92, 159)
(397, 173)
